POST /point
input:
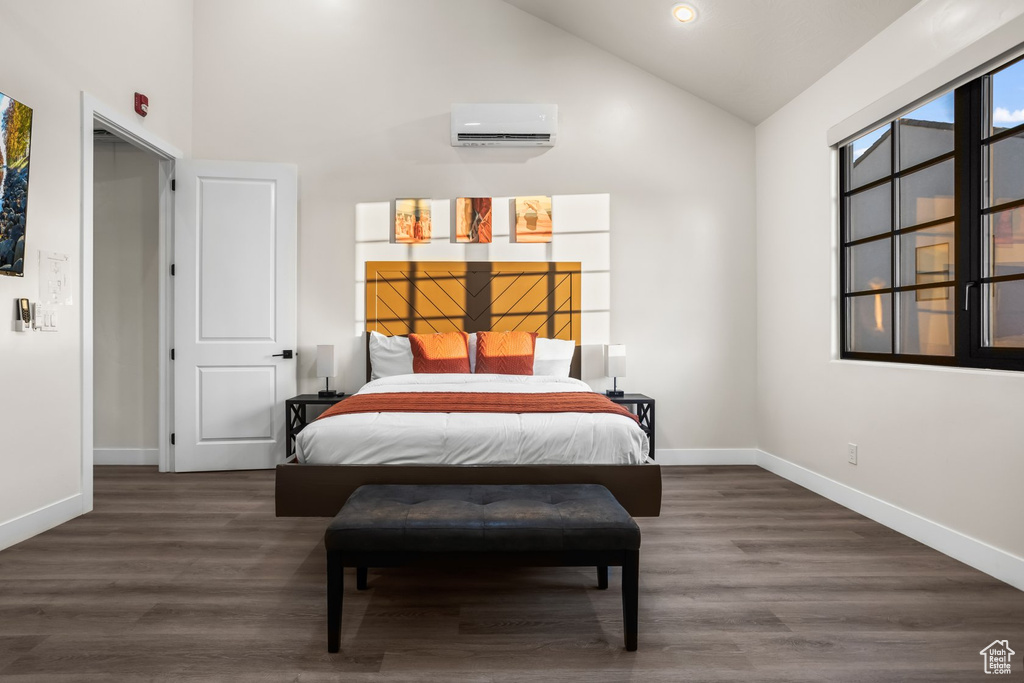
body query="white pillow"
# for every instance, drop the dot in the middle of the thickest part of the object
(553, 356)
(389, 356)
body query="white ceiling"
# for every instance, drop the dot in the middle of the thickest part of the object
(749, 57)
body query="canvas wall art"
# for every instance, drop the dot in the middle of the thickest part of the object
(15, 145)
(412, 221)
(533, 219)
(473, 219)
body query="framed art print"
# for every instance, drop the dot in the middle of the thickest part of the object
(473, 219)
(15, 145)
(533, 219)
(412, 221)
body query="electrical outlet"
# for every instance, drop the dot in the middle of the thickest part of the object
(851, 453)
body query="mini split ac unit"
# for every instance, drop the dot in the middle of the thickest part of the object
(504, 125)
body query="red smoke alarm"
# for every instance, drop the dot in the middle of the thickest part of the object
(141, 104)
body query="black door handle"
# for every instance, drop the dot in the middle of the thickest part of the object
(287, 353)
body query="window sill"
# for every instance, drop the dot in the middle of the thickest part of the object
(927, 368)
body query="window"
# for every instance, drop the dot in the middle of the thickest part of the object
(932, 231)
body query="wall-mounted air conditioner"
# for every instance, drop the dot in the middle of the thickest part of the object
(504, 125)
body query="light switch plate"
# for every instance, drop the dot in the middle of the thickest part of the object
(45, 318)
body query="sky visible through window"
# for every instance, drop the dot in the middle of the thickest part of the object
(1008, 97)
(1007, 107)
(861, 144)
(940, 109)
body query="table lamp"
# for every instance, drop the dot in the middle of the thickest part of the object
(615, 366)
(325, 369)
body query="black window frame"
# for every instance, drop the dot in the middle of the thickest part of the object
(972, 102)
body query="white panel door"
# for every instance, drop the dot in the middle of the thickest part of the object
(234, 313)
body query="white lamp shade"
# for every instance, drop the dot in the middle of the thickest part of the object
(615, 360)
(325, 360)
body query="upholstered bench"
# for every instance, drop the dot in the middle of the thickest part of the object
(464, 526)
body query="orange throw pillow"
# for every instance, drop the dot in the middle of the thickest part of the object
(505, 353)
(442, 352)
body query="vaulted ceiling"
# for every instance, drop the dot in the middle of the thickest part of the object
(749, 57)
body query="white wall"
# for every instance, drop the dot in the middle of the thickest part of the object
(110, 48)
(125, 276)
(944, 444)
(358, 94)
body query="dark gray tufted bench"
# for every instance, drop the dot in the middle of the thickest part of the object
(561, 525)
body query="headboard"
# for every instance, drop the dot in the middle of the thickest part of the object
(444, 296)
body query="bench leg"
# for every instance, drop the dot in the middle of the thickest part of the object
(361, 578)
(602, 577)
(630, 596)
(335, 589)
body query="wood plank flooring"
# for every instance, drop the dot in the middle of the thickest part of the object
(745, 577)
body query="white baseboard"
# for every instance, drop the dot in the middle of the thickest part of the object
(983, 557)
(126, 456)
(36, 522)
(706, 456)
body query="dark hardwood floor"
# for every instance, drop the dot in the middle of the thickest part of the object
(745, 577)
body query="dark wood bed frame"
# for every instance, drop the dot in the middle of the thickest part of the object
(321, 490)
(440, 296)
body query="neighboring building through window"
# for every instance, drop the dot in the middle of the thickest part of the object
(1002, 224)
(953, 169)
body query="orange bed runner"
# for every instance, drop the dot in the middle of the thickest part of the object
(476, 402)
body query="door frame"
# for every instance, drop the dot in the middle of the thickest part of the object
(130, 130)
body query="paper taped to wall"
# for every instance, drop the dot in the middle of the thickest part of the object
(54, 278)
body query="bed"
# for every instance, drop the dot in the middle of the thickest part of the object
(338, 454)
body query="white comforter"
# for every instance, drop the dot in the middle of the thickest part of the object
(473, 438)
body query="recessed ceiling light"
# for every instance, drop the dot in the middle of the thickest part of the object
(684, 13)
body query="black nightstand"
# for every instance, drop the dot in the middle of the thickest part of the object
(295, 415)
(643, 407)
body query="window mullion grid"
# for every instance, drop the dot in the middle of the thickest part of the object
(868, 186)
(894, 249)
(977, 189)
(898, 173)
(927, 163)
(988, 138)
(927, 224)
(976, 180)
(962, 105)
(902, 231)
(996, 279)
(1005, 206)
(844, 219)
(971, 155)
